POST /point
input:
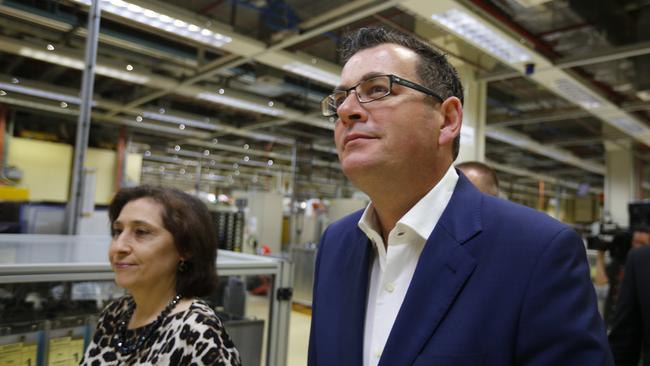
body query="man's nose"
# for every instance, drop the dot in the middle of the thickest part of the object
(351, 110)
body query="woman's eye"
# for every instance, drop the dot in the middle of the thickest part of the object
(116, 232)
(141, 232)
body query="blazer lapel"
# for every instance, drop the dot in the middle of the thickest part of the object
(442, 270)
(348, 301)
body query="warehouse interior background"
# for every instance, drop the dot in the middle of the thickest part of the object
(222, 98)
(184, 99)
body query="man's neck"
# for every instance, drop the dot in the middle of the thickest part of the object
(392, 204)
(394, 194)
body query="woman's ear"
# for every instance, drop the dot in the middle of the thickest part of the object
(185, 256)
(452, 112)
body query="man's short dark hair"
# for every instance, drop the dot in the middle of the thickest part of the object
(191, 225)
(435, 72)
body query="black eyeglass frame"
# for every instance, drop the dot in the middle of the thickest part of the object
(327, 111)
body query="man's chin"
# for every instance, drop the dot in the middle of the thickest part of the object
(358, 168)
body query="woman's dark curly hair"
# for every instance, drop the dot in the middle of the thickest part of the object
(190, 223)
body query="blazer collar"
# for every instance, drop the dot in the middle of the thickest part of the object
(442, 270)
(350, 307)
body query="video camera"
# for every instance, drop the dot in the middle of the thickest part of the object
(618, 240)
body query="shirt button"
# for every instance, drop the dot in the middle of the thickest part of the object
(390, 287)
(377, 353)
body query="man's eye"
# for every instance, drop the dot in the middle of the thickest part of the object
(338, 99)
(378, 89)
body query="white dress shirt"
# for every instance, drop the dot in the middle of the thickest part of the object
(393, 265)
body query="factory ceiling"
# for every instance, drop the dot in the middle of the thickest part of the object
(232, 88)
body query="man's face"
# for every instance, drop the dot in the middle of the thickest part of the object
(395, 135)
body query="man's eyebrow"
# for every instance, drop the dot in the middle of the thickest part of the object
(365, 76)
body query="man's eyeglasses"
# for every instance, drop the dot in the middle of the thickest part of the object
(370, 90)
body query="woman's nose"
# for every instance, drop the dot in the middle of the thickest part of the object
(121, 242)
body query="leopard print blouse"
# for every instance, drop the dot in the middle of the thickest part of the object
(195, 336)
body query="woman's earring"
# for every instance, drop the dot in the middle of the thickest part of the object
(182, 266)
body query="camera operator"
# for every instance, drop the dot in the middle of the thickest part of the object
(617, 242)
(630, 335)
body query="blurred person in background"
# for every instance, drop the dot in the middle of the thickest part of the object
(630, 334)
(163, 252)
(481, 175)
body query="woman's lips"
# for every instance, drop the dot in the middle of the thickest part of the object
(122, 265)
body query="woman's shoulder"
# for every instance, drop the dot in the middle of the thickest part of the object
(201, 313)
(200, 328)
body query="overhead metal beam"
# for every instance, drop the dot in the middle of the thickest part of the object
(537, 176)
(600, 56)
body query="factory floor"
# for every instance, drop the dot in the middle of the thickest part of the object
(299, 323)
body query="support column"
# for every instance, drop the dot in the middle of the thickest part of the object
(75, 203)
(120, 160)
(472, 134)
(3, 128)
(619, 180)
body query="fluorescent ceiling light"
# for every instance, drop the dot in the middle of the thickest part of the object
(180, 120)
(644, 95)
(506, 137)
(531, 3)
(79, 65)
(239, 103)
(40, 93)
(312, 72)
(474, 31)
(627, 124)
(163, 22)
(577, 94)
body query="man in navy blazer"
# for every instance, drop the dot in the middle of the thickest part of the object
(433, 272)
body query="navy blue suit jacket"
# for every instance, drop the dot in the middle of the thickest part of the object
(496, 284)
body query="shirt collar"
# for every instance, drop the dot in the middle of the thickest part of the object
(421, 218)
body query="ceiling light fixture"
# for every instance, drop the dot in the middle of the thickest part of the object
(576, 93)
(313, 73)
(480, 35)
(79, 65)
(239, 103)
(164, 22)
(180, 121)
(628, 125)
(40, 93)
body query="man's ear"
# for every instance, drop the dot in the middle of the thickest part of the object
(452, 112)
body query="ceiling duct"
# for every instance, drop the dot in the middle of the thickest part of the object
(621, 27)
